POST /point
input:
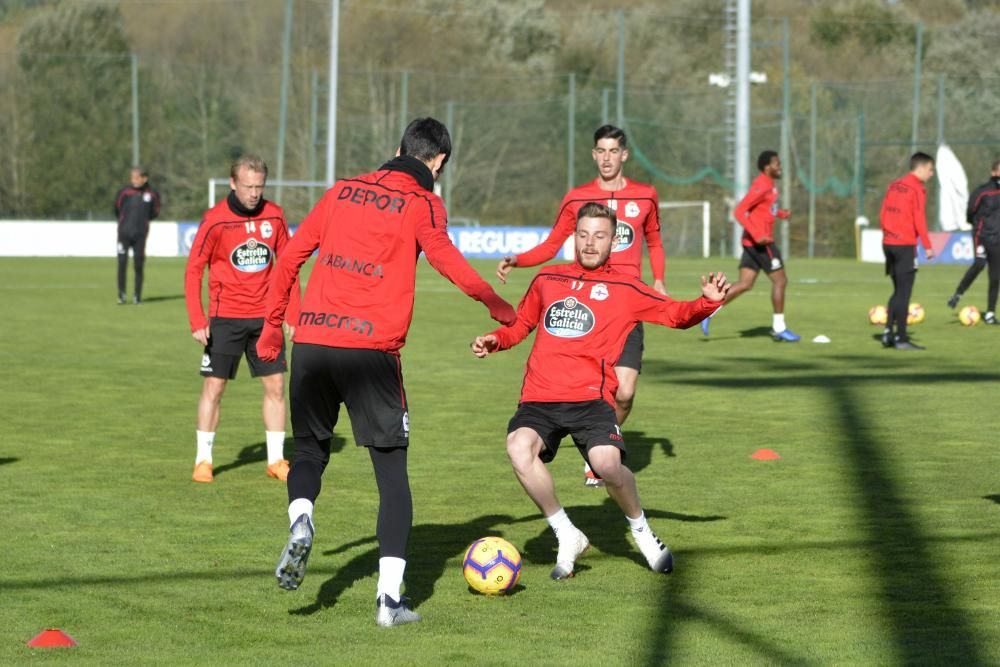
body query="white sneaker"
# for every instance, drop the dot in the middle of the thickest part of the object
(571, 546)
(388, 612)
(291, 568)
(656, 552)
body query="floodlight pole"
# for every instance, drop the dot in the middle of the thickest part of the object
(286, 49)
(331, 123)
(916, 88)
(812, 169)
(570, 132)
(621, 69)
(404, 101)
(135, 109)
(742, 157)
(786, 121)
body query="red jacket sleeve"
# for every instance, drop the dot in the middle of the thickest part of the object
(430, 228)
(657, 256)
(295, 299)
(528, 313)
(201, 253)
(920, 219)
(286, 270)
(650, 306)
(752, 198)
(563, 228)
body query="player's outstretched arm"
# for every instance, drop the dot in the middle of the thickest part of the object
(483, 345)
(715, 287)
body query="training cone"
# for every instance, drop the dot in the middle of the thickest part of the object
(52, 638)
(765, 455)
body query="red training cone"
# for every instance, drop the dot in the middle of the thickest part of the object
(52, 638)
(765, 455)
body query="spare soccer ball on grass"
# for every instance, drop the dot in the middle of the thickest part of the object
(969, 316)
(878, 315)
(915, 315)
(492, 566)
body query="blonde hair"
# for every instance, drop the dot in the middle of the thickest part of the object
(251, 162)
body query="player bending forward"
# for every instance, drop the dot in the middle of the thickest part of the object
(586, 311)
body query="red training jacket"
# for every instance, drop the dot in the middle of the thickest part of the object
(369, 231)
(586, 317)
(239, 252)
(903, 213)
(637, 207)
(758, 210)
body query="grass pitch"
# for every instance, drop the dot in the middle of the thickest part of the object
(873, 540)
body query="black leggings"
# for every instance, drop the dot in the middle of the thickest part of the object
(395, 511)
(138, 259)
(992, 260)
(899, 302)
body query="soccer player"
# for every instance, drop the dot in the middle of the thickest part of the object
(135, 206)
(356, 311)
(757, 212)
(903, 222)
(983, 213)
(637, 209)
(586, 311)
(237, 240)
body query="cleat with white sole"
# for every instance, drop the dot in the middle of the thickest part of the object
(291, 568)
(388, 612)
(657, 553)
(571, 547)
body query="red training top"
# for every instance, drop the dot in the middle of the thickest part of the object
(637, 207)
(369, 231)
(239, 251)
(757, 211)
(586, 317)
(902, 215)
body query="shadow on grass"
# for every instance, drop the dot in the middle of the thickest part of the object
(641, 446)
(8, 459)
(257, 453)
(917, 602)
(437, 544)
(756, 332)
(995, 497)
(155, 299)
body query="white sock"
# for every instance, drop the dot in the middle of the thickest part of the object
(559, 521)
(298, 507)
(639, 524)
(205, 440)
(390, 577)
(990, 314)
(275, 445)
(778, 322)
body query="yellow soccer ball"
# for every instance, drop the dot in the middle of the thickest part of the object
(969, 316)
(878, 315)
(492, 566)
(915, 314)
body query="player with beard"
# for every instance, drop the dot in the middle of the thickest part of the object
(584, 312)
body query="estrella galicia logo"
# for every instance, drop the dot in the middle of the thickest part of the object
(251, 256)
(625, 235)
(568, 318)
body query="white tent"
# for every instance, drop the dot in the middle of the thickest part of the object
(954, 188)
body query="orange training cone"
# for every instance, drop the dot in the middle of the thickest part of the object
(52, 638)
(765, 455)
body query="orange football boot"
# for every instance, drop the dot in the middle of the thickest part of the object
(278, 470)
(202, 472)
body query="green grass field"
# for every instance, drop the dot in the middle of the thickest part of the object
(873, 540)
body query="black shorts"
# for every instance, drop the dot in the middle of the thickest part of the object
(766, 258)
(631, 356)
(230, 338)
(591, 423)
(370, 382)
(900, 259)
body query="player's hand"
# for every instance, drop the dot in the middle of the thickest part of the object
(765, 241)
(483, 345)
(504, 268)
(660, 287)
(270, 342)
(783, 213)
(930, 253)
(715, 287)
(201, 335)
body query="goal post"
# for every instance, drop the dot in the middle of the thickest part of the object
(684, 232)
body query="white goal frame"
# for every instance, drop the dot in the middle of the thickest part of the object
(706, 219)
(276, 183)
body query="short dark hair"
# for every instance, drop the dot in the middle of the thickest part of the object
(765, 158)
(919, 159)
(141, 169)
(425, 139)
(995, 165)
(611, 132)
(593, 209)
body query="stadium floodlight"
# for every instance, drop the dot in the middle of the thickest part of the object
(680, 232)
(722, 80)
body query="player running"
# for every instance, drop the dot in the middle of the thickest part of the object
(637, 209)
(983, 213)
(757, 212)
(356, 311)
(586, 310)
(237, 240)
(903, 218)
